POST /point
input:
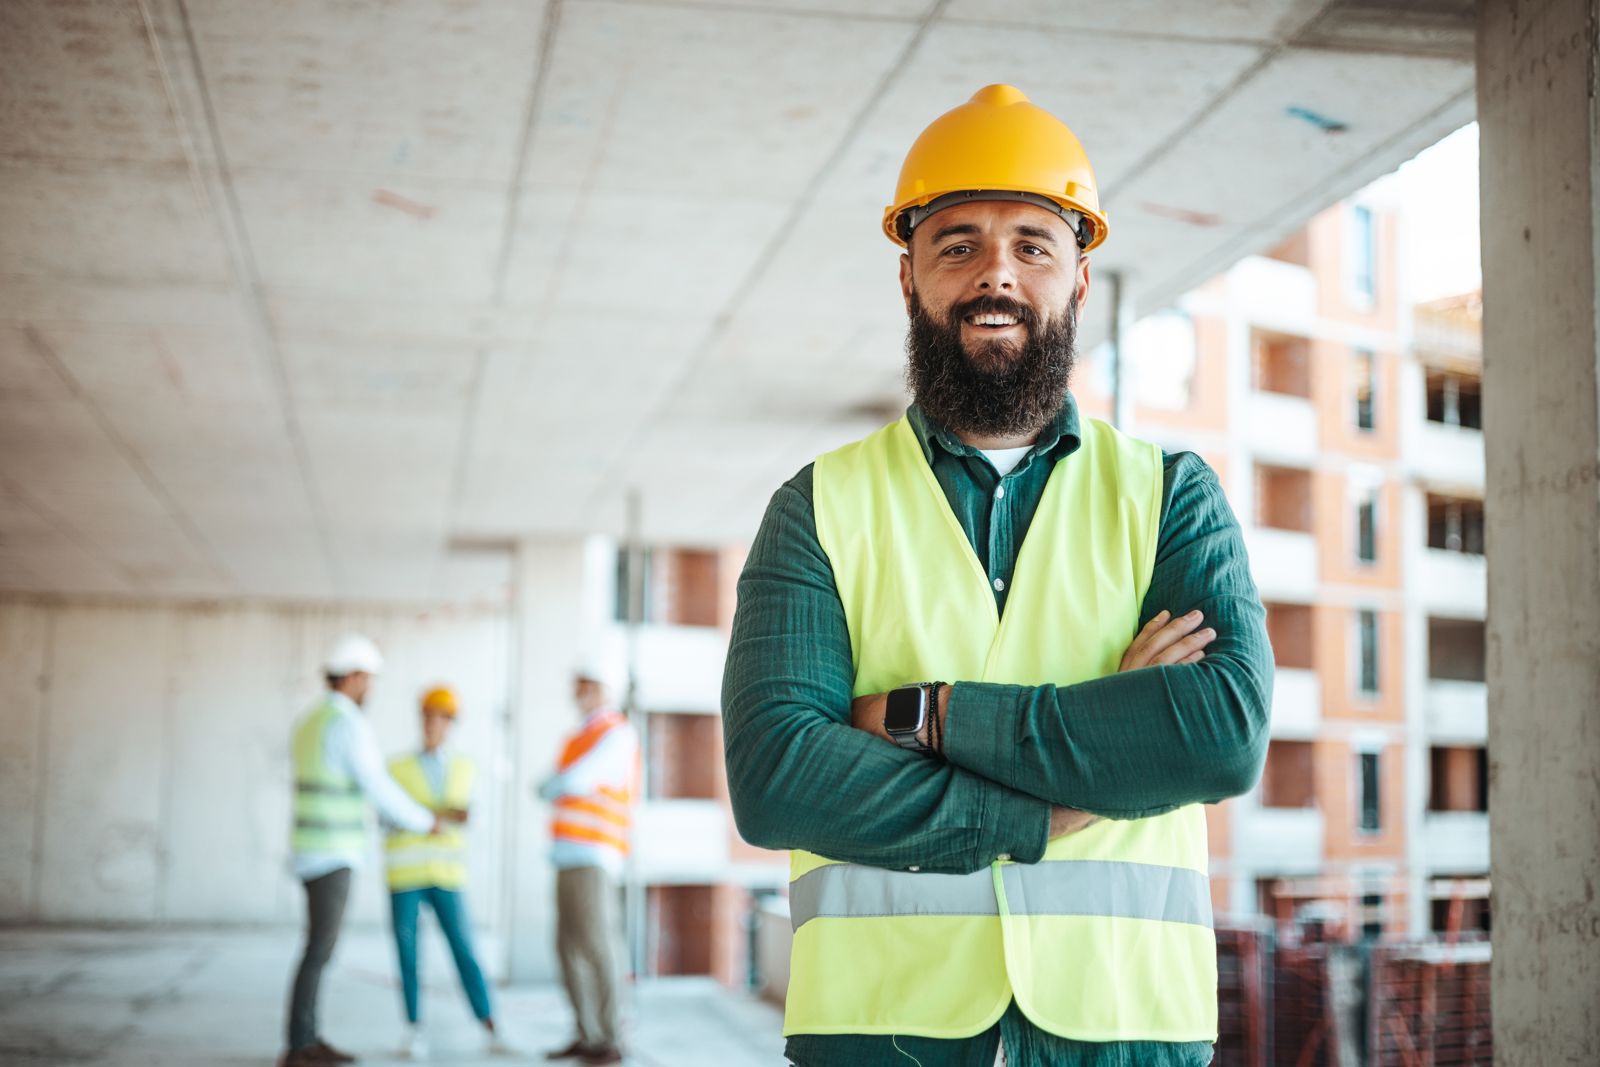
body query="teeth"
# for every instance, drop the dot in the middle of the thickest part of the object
(994, 320)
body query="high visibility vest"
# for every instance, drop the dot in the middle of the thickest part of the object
(1109, 937)
(330, 812)
(430, 861)
(604, 817)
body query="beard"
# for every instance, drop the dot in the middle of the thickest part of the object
(998, 388)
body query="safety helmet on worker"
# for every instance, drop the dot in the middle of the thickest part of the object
(353, 653)
(441, 700)
(997, 146)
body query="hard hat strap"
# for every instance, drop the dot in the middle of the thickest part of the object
(914, 216)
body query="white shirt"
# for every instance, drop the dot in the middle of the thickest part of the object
(610, 762)
(1005, 460)
(348, 746)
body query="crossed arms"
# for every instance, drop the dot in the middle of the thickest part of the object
(1129, 745)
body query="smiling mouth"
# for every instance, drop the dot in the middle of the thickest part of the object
(991, 321)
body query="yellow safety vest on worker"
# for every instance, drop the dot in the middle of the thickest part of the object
(430, 861)
(330, 811)
(1109, 937)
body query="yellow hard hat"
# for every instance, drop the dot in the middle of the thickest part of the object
(997, 146)
(440, 700)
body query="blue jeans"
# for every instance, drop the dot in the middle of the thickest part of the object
(450, 907)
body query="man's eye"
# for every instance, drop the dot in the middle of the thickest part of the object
(957, 250)
(1034, 250)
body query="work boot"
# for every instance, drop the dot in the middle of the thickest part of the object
(571, 1052)
(601, 1054)
(328, 1055)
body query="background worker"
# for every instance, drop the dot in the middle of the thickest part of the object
(931, 696)
(594, 790)
(431, 869)
(338, 771)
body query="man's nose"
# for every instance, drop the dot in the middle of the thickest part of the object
(996, 273)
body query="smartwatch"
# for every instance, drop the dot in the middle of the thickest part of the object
(906, 714)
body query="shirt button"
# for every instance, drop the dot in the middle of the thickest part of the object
(913, 870)
(999, 585)
(1004, 857)
(1000, 492)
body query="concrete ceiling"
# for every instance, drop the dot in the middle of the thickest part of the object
(296, 296)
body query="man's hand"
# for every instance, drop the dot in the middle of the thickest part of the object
(438, 825)
(1064, 821)
(866, 713)
(455, 815)
(1165, 641)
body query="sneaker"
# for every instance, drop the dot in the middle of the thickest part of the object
(415, 1045)
(601, 1054)
(571, 1052)
(495, 1043)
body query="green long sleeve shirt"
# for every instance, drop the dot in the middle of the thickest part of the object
(1125, 746)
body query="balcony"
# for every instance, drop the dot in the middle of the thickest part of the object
(1453, 584)
(1274, 293)
(1296, 704)
(1278, 840)
(1456, 841)
(681, 842)
(1282, 428)
(1447, 456)
(1284, 563)
(1457, 712)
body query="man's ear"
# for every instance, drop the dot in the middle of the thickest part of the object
(1082, 295)
(906, 287)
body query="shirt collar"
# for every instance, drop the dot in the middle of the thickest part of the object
(1059, 437)
(342, 702)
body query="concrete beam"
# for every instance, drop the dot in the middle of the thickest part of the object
(1540, 222)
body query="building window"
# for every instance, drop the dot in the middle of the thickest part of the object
(1363, 253)
(1281, 363)
(1289, 779)
(1367, 629)
(1458, 650)
(1458, 778)
(1455, 399)
(1455, 524)
(1366, 385)
(1371, 820)
(1283, 498)
(1371, 916)
(1367, 526)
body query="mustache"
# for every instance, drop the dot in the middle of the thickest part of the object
(994, 305)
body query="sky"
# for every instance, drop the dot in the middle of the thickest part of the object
(1438, 193)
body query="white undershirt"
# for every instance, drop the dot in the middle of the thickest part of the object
(1005, 460)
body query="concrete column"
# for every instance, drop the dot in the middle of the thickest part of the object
(1540, 172)
(548, 620)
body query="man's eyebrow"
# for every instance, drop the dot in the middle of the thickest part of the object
(1038, 233)
(958, 229)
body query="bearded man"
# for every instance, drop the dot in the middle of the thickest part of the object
(989, 662)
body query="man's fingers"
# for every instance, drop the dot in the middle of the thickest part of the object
(1179, 651)
(1194, 657)
(1170, 634)
(1133, 656)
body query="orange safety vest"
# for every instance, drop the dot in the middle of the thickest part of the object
(605, 816)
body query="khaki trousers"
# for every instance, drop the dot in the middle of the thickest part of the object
(589, 944)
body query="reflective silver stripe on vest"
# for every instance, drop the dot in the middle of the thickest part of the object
(1054, 887)
(325, 789)
(303, 823)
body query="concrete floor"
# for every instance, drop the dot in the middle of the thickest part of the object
(119, 998)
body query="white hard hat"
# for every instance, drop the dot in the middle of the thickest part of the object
(352, 653)
(603, 669)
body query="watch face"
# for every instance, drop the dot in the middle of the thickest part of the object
(903, 710)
